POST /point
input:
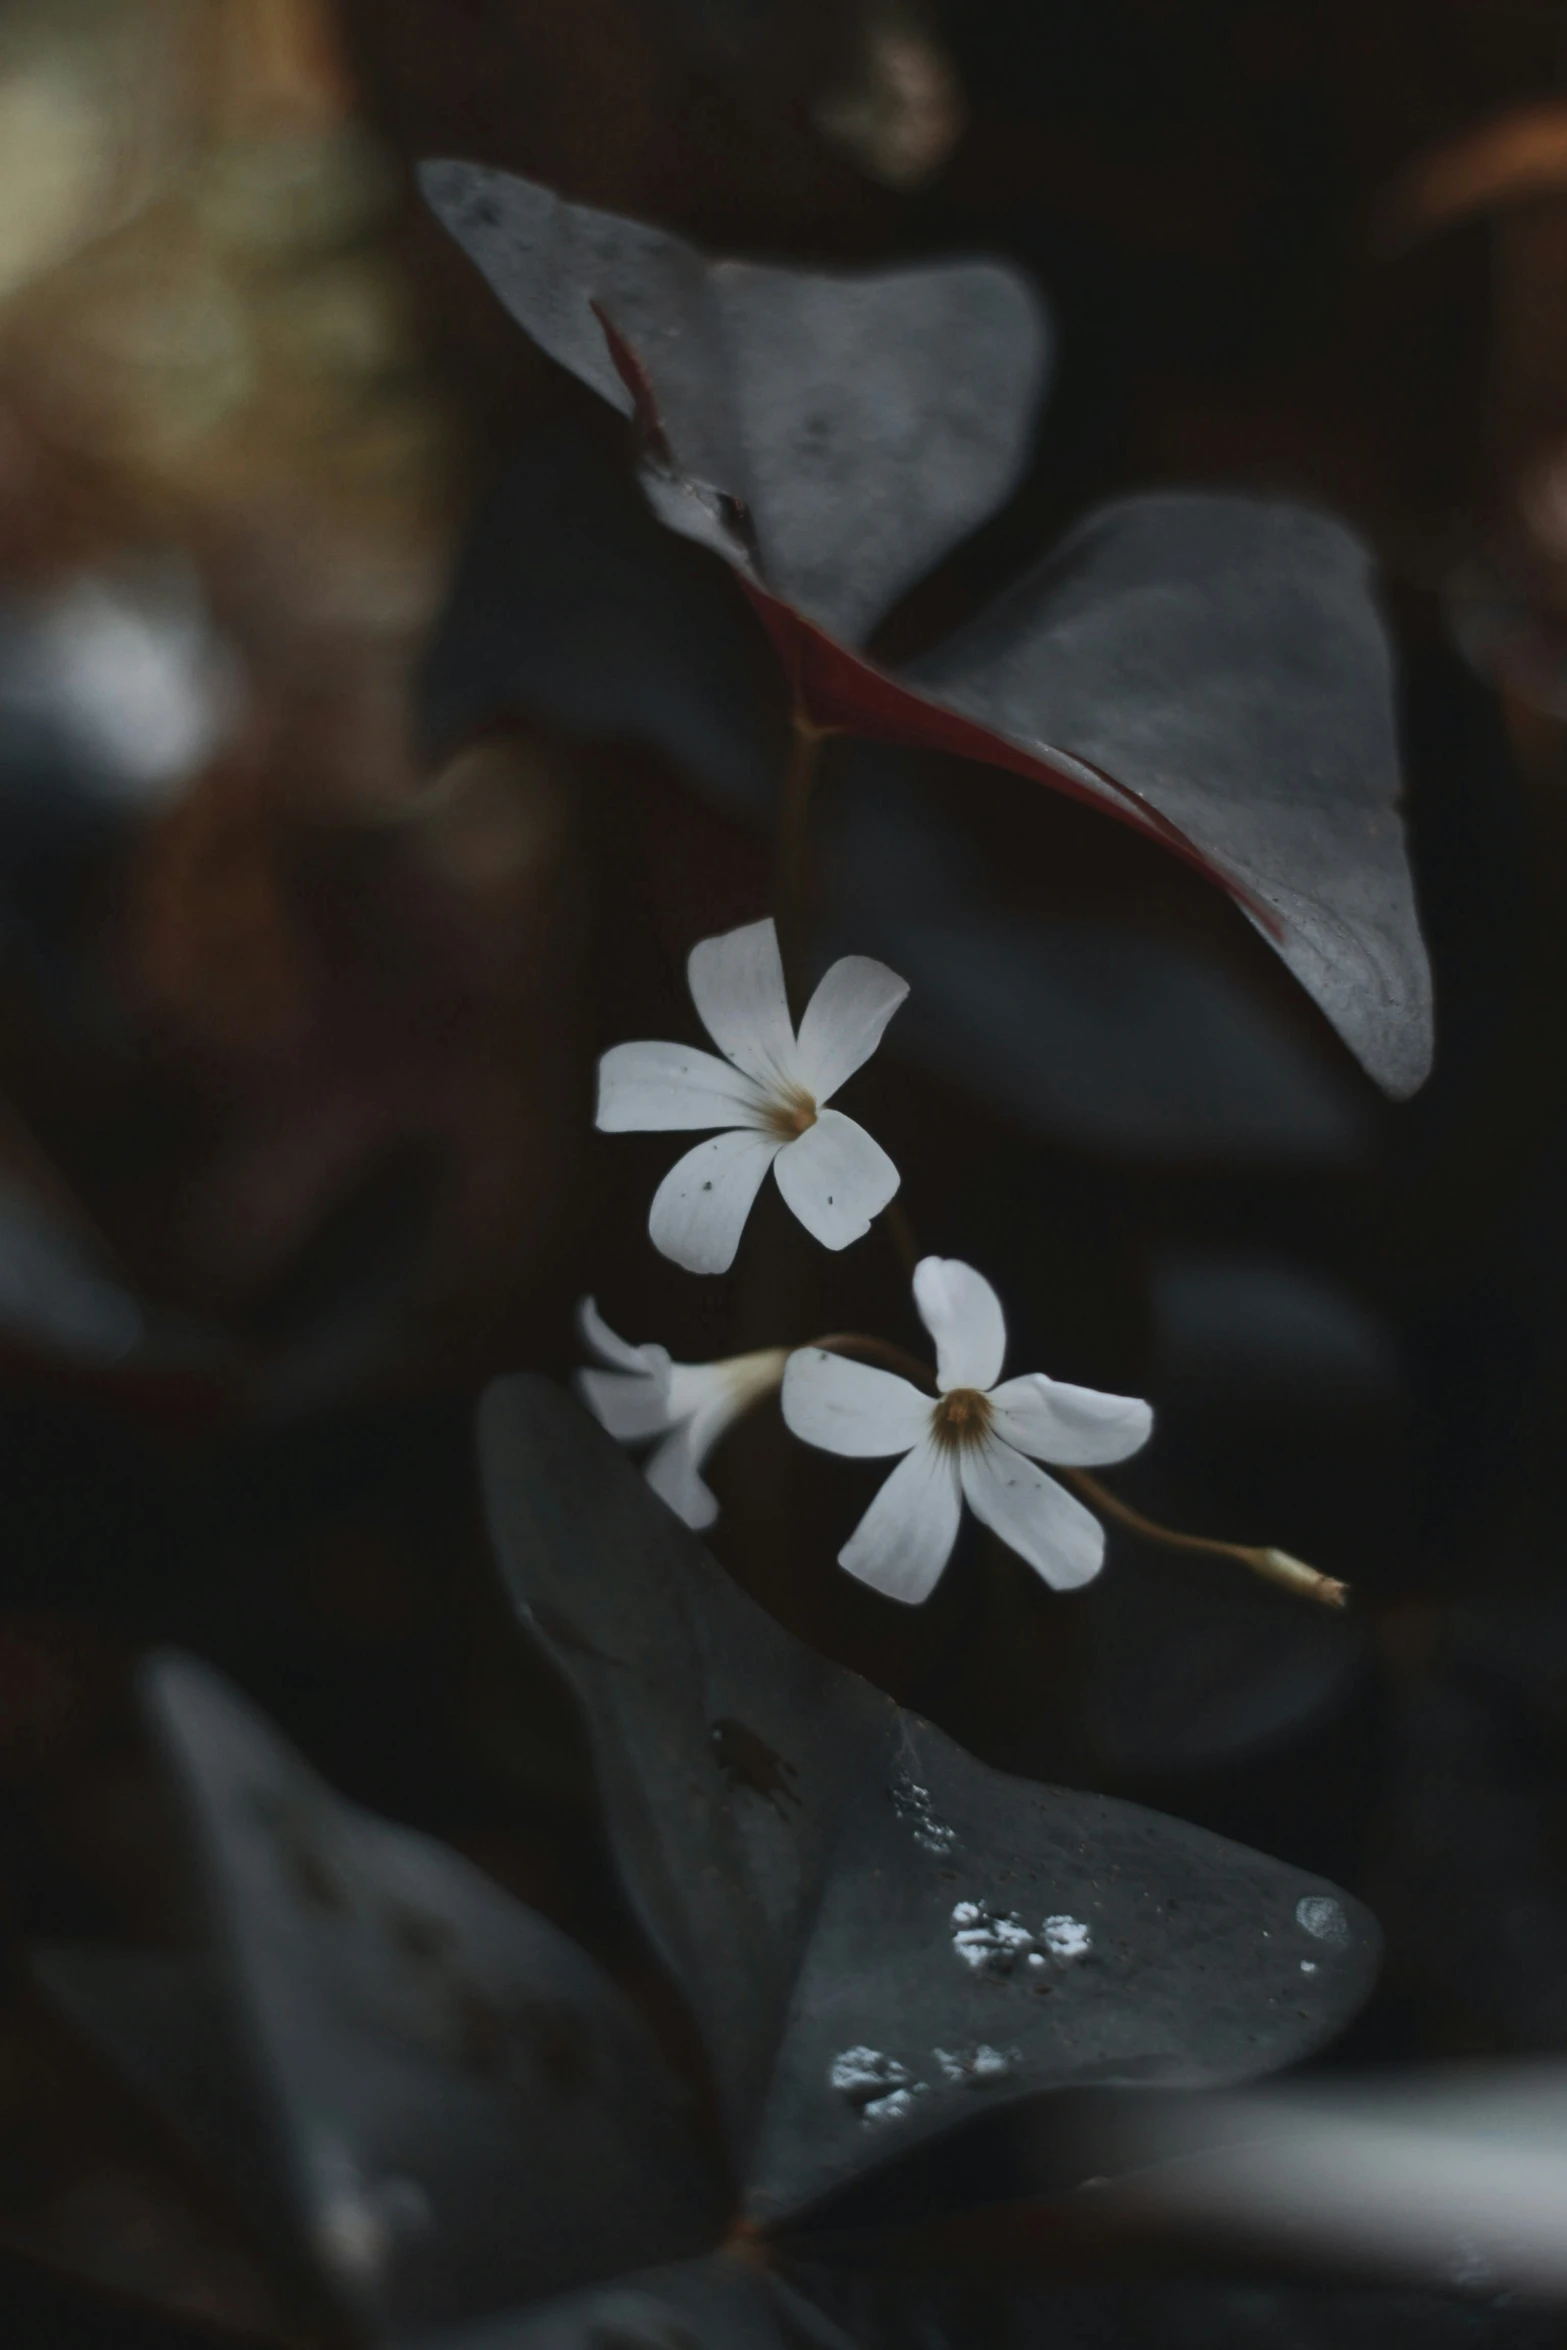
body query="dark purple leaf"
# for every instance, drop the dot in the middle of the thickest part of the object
(833, 436)
(572, 605)
(1222, 658)
(1209, 669)
(161, 2020)
(879, 1936)
(96, 2195)
(457, 2109)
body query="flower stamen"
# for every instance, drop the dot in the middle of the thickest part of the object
(961, 1419)
(792, 1114)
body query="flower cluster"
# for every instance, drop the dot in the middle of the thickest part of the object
(978, 1438)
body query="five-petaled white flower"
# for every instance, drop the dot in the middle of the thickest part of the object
(769, 1092)
(643, 1394)
(975, 1440)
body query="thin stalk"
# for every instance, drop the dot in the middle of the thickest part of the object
(901, 1233)
(791, 888)
(791, 910)
(877, 1350)
(1276, 1566)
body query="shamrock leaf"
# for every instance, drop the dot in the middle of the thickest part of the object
(1221, 658)
(452, 2125)
(159, 2017)
(572, 605)
(1210, 669)
(877, 1934)
(786, 413)
(422, 2091)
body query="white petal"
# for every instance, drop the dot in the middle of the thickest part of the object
(836, 1178)
(705, 1426)
(674, 1473)
(696, 1387)
(737, 986)
(713, 1394)
(619, 1353)
(905, 1538)
(631, 1405)
(663, 1088)
(706, 1399)
(844, 1022)
(851, 1407)
(1034, 1515)
(700, 1208)
(1074, 1426)
(963, 1315)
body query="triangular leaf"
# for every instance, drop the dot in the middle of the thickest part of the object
(162, 2021)
(879, 1935)
(571, 605)
(464, 2111)
(1221, 657)
(1210, 669)
(833, 435)
(102, 2201)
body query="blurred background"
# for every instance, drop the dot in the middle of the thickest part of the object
(369, 761)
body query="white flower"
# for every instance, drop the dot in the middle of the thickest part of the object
(974, 1441)
(643, 1394)
(769, 1093)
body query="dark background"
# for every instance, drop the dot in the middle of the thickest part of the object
(295, 1055)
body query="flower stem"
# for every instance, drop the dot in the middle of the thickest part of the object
(1276, 1566)
(877, 1350)
(901, 1233)
(791, 886)
(791, 908)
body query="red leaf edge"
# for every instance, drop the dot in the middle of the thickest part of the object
(841, 693)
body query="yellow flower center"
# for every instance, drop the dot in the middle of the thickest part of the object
(792, 1114)
(962, 1418)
